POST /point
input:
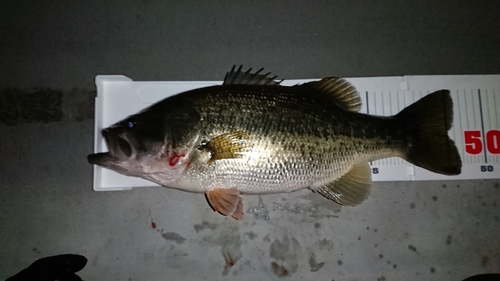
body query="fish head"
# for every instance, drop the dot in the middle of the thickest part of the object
(137, 147)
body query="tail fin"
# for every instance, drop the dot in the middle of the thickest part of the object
(428, 121)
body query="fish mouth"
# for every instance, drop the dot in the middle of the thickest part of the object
(120, 147)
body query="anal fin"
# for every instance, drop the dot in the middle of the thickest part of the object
(226, 201)
(350, 189)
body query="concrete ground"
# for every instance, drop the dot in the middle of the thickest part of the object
(50, 52)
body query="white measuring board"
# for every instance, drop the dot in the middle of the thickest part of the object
(476, 123)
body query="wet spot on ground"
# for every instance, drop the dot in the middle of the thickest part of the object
(251, 235)
(45, 105)
(285, 251)
(204, 225)
(484, 261)
(279, 270)
(315, 266)
(173, 236)
(412, 248)
(34, 106)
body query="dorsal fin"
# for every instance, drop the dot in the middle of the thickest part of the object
(340, 90)
(238, 77)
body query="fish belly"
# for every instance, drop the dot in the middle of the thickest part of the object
(272, 169)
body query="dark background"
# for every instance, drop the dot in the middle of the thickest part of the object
(50, 52)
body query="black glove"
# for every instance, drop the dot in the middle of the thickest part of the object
(484, 277)
(60, 268)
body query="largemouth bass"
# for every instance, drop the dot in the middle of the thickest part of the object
(252, 135)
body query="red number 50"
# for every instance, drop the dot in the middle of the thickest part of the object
(474, 143)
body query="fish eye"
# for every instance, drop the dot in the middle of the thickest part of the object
(131, 123)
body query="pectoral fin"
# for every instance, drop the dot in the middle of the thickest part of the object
(350, 189)
(226, 201)
(226, 146)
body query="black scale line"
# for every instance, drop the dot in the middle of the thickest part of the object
(367, 111)
(367, 104)
(446, 122)
(482, 126)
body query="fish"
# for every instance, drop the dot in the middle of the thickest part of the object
(252, 135)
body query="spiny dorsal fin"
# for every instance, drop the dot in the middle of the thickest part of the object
(340, 90)
(350, 189)
(238, 77)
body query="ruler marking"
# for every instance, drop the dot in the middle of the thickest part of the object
(473, 117)
(397, 105)
(496, 107)
(493, 124)
(390, 104)
(492, 111)
(399, 110)
(487, 109)
(396, 160)
(367, 103)
(468, 157)
(496, 116)
(470, 118)
(383, 104)
(487, 119)
(445, 124)
(368, 112)
(454, 128)
(466, 110)
(474, 110)
(482, 125)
